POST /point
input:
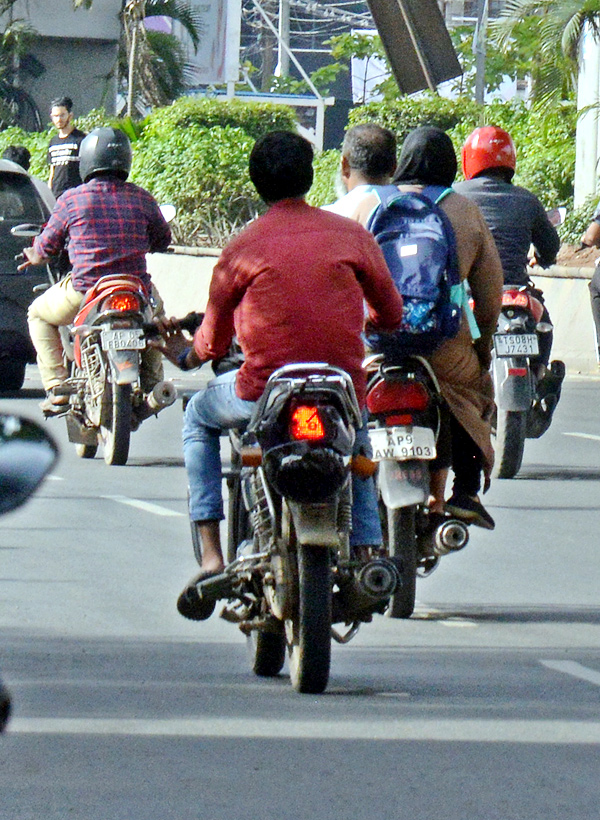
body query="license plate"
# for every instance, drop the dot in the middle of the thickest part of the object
(402, 443)
(516, 344)
(127, 339)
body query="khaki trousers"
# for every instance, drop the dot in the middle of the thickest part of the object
(58, 306)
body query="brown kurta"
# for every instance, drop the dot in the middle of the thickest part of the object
(465, 384)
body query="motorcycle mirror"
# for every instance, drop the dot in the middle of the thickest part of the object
(556, 216)
(27, 454)
(27, 230)
(169, 212)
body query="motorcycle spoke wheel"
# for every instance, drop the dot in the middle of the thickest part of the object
(115, 429)
(509, 444)
(309, 632)
(267, 652)
(401, 537)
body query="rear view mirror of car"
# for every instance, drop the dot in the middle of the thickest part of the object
(27, 454)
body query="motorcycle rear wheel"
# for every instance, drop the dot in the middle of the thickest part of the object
(511, 429)
(402, 544)
(115, 429)
(308, 633)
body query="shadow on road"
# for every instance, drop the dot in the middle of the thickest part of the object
(507, 615)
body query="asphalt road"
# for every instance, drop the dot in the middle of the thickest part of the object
(484, 705)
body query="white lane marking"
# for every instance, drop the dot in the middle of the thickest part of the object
(459, 623)
(574, 669)
(452, 731)
(53, 477)
(146, 506)
(583, 435)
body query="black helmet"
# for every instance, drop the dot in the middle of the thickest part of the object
(105, 149)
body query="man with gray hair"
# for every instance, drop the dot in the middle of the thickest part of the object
(368, 159)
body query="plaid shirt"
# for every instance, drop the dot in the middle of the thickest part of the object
(109, 225)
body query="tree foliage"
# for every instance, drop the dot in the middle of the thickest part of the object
(555, 27)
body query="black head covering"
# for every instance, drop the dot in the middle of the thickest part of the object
(427, 158)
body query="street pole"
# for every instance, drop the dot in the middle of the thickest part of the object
(479, 48)
(283, 60)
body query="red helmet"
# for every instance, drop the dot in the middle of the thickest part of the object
(487, 147)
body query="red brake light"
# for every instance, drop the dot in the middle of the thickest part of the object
(386, 397)
(516, 298)
(306, 424)
(122, 301)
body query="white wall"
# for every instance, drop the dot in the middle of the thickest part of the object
(57, 18)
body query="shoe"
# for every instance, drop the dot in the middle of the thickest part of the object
(54, 404)
(470, 510)
(191, 605)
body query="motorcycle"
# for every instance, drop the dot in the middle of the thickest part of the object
(404, 404)
(526, 393)
(27, 454)
(292, 574)
(104, 345)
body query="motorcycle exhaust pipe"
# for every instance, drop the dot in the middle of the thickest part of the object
(162, 395)
(450, 536)
(378, 579)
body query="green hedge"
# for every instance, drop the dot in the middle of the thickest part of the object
(194, 153)
(545, 142)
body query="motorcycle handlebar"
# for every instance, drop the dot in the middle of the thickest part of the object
(190, 322)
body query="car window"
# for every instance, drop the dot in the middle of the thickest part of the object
(19, 201)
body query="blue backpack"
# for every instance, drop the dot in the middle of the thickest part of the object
(419, 246)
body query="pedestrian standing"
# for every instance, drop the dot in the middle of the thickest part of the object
(63, 151)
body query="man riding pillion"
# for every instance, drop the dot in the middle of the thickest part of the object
(108, 226)
(517, 220)
(291, 286)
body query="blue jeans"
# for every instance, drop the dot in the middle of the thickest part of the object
(219, 408)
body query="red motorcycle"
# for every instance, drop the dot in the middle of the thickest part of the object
(104, 345)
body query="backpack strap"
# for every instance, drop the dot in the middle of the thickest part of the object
(458, 292)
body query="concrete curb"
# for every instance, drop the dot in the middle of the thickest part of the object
(183, 279)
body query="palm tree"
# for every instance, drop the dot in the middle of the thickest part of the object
(16, 106)
(558, 26)
(153, 64)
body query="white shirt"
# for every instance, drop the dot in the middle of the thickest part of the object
(347, 205)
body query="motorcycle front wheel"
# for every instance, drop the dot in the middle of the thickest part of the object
(511, 429)
(86, 450)
(115, 429)
(402, 544)
(308, 633)
(267, 652)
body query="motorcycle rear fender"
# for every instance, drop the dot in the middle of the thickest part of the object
(124, 366)
(403, 483)
(316, 524)
(513, 393)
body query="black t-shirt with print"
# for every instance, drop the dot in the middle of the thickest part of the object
(63, 156)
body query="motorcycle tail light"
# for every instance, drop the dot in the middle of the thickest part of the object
(401, 419)
(386, 397)
(306, 423)
(516, 298)
(517, 371)
(123, 302)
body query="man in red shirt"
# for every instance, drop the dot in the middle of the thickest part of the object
(292, 287)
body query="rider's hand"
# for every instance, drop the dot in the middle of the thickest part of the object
(173, 343)
(31, 258)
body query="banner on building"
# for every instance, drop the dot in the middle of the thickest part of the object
(217, 59)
